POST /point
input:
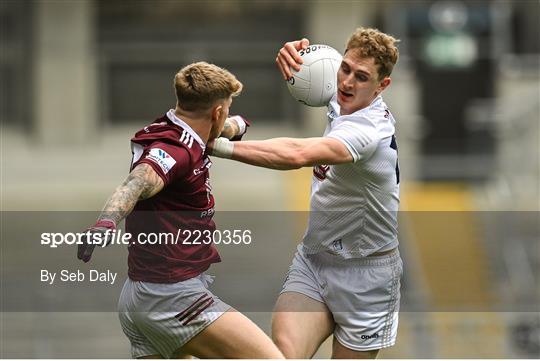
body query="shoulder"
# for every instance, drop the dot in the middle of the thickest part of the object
(169, 137)
(160, 129)
(376, 115)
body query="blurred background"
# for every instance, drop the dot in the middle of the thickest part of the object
(79, 77)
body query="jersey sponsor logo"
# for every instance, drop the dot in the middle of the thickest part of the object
(161, 158)
(367, 337)
(186, 138)
(319, 171)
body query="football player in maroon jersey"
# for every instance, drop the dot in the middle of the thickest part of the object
(165, 308)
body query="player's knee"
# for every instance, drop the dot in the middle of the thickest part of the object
(286, 345)
(273, 354)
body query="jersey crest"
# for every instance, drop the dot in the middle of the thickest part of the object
(320, 171)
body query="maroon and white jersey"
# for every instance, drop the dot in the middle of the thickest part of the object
(177, 155)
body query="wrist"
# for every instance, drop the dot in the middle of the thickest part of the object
(106, 223)
(241, 123)
(222, 148)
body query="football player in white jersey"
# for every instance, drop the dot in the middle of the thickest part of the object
(345, 275)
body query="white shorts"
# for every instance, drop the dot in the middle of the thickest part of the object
(362, 294)
(159, 318)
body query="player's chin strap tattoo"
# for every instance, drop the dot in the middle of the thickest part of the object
(142, 183)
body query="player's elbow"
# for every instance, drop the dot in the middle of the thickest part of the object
(286, 161)
(297, 160)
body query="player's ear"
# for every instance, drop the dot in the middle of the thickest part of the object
(217, 112)
(383, 84)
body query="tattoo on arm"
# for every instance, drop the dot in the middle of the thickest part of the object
(142, 183)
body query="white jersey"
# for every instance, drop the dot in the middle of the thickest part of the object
(353, 207)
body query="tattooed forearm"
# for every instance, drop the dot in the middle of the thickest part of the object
(143, 182)
(230, 129)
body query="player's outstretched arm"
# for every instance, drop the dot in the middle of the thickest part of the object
(288, 57)
(143, 182)
(284, 153)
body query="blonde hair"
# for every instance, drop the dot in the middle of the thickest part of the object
(199, 85)
(372, 43)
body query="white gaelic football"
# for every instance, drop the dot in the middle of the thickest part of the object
(315, 83)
